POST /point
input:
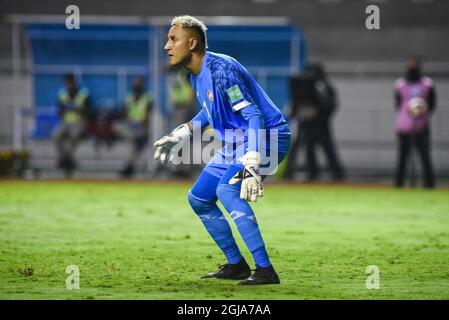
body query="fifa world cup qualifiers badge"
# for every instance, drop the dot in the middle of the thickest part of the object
(234, 93)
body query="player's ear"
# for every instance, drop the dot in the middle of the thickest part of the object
(192, 44)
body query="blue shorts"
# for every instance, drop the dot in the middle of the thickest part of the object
(226, 163)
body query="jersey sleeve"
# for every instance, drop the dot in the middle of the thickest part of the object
(234, 85)
(200, 121)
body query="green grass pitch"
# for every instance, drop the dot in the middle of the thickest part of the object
(142, 241)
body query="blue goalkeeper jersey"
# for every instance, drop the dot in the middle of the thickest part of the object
(229, 95)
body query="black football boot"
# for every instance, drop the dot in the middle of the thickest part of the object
(262, 276)
(238, 271)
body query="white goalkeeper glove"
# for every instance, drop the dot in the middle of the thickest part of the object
(252, 185)
(165, 144)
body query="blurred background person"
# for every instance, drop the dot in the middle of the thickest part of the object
(73, 110)
(133, 127)
(183, 102)
(363, 76)
(314, 103)
(182, 97)
(415, 101)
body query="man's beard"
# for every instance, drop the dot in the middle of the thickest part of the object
(185, 61)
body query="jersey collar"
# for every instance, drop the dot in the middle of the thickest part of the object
(203, 66)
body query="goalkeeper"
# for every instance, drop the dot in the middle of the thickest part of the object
(231, 100)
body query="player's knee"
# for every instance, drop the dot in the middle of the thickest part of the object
(226, 193)
(200, 205)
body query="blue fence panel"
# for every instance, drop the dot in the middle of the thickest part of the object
(106, 58)
(266, 48)
(98, 54)
(253, 46)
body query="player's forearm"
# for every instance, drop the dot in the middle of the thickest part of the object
(255, 124)
(199, 122)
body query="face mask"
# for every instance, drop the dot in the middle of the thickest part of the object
(138, 90)
(413, 74)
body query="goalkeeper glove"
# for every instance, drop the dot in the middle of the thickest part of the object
(252, 185)
(165, 144)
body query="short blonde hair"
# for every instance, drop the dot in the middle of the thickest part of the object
(196, 25)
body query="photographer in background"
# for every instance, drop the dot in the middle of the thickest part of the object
(314, 103)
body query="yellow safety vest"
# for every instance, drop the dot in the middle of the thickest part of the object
(74, 114)
(136, 110)
(182, 94)
(181, 91)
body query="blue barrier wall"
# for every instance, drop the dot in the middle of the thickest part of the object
(103, 57)
(106, 57)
